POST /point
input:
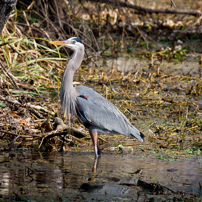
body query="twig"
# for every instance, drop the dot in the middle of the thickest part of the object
(7, 43)
(40, 108)
(7, 132)
(3, 44)
(40, 120)
(34, 111)
(9, 75)
(72, 130)
(16, 51)
(42, 141)
(172, 4)
(76, 139)
(16, 138)
(164, 187)
(34, 28)
(32, 107)
(14, 134)
(11, 100)
(68, 140)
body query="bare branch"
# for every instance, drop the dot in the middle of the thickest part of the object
(148, 10)
(172, 4)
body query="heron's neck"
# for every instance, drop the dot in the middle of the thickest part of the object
(68, 93)
(73, 64)
(67, 79)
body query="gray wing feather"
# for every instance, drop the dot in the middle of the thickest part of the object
(103, 114)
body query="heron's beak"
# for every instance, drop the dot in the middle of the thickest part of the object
(62, 43)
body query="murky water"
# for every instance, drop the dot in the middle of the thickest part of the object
(68, 177)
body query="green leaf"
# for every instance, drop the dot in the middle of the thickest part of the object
(2, 104)
(198, 151)
(121, 146)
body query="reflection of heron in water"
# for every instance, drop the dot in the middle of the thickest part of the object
(93, 111)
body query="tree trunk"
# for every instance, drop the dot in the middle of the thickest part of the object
(6, 6)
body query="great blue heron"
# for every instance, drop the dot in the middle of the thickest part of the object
(93, 110)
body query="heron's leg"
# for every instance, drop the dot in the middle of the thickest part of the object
(94, 170)
(98, 147)
(93, 134)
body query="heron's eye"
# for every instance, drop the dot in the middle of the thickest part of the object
(73, 41)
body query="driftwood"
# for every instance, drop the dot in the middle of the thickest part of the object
(143, 10)
(68, 132)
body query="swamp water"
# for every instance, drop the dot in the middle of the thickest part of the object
(35, 176)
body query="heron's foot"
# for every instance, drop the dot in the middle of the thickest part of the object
(97, 156)
(95, 164)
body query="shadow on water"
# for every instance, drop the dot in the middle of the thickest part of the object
(69, 177)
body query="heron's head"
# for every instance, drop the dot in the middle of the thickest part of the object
(73, 43)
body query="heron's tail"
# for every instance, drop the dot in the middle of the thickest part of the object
(137, 134)
(142, 136)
